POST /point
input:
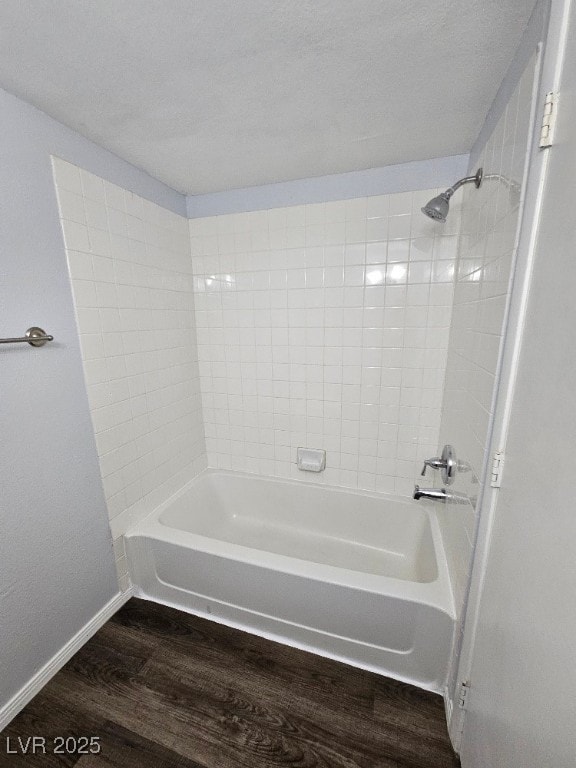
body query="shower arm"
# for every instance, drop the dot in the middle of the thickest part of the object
(438, 207)
(476, 179)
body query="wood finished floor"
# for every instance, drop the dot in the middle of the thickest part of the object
(167, 690)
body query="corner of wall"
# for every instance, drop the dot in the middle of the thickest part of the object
(534, 33)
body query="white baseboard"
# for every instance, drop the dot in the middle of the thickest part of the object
(39, 680)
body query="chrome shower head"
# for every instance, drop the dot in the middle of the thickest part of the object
(439, 206)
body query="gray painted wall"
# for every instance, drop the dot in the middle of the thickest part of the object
(56, 562)
(404, 177)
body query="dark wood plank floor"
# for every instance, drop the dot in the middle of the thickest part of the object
(163, 689)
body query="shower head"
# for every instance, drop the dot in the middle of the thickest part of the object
(439, 206)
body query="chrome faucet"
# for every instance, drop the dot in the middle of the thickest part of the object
(447, 463)
(430, 493)
(439, 494)
(435, 463)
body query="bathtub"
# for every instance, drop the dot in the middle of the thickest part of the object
(358, 577)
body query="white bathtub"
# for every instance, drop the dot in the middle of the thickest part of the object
(359, 577)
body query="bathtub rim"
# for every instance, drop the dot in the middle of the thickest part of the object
(437, 593)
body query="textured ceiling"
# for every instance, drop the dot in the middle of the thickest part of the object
(208, 95)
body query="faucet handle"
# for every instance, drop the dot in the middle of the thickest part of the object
(447, 463)
(435, 463)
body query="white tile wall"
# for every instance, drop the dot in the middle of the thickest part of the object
(322, 325)
(131, 275)
(485, 253)
(325, 326)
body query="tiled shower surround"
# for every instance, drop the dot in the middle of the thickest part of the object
(131, 274)
(325, 326)
(232, 340)
(489, 224)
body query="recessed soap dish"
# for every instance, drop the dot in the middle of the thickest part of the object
(311, 459)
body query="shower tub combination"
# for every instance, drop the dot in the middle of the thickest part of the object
(358, 577)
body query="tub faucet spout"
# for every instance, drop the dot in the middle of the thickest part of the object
(430, 493)
(438, 494)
